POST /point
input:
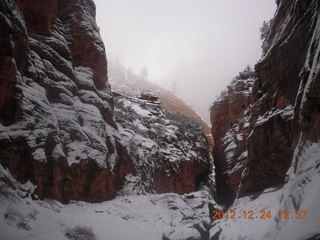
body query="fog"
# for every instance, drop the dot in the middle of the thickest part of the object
(194, 47)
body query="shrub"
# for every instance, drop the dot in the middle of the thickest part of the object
(80, 233)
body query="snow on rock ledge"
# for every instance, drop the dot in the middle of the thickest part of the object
(169, 151)
(57, 124)
(284, 126)
(256, 131)
(56, 105)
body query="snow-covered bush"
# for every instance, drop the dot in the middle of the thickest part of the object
(80, 233)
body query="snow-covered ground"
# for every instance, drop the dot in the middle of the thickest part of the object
(168, 216)
(300, 193)
(242, 227)
(135, 217)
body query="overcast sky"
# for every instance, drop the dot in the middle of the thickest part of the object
(200, 44)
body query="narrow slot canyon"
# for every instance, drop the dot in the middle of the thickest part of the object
(92, 148)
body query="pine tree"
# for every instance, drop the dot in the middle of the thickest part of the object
(264, 30)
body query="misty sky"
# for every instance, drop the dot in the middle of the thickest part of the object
(199, 44)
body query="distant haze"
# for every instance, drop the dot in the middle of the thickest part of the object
(194, 47)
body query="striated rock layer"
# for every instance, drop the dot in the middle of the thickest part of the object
(230, 128)
(165, 137)
(57, 122)
(56, 102)
(170, 152)
(259, 121)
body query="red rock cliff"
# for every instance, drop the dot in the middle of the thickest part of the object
(56, 104)
(230, 128)
(282, 107)
(58, 127)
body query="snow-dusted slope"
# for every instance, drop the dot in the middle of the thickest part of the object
(301, 193)
(125, 82)
(169, 151)
(294, 209)
(239, 225)
(136, 217)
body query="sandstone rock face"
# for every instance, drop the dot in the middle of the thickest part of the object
(56, 104)
(166, 138)
(230, 128)
(282, 108)
(170, 152)
(58, 127)
(283, 132)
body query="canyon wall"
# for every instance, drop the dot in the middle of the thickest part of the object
(166, 138)
(230, 128)
(58, 128)
(56, 102)
(264, 115)
(170, 152)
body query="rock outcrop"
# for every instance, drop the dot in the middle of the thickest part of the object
(58, 129)
(124, 81)
(256, 131)
(56, 102)
(165, 137)
(279, 121)
(170, 152)
(230, 128)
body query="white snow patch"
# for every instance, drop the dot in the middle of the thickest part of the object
(126, 217)
(300, 193)
(249, 229)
